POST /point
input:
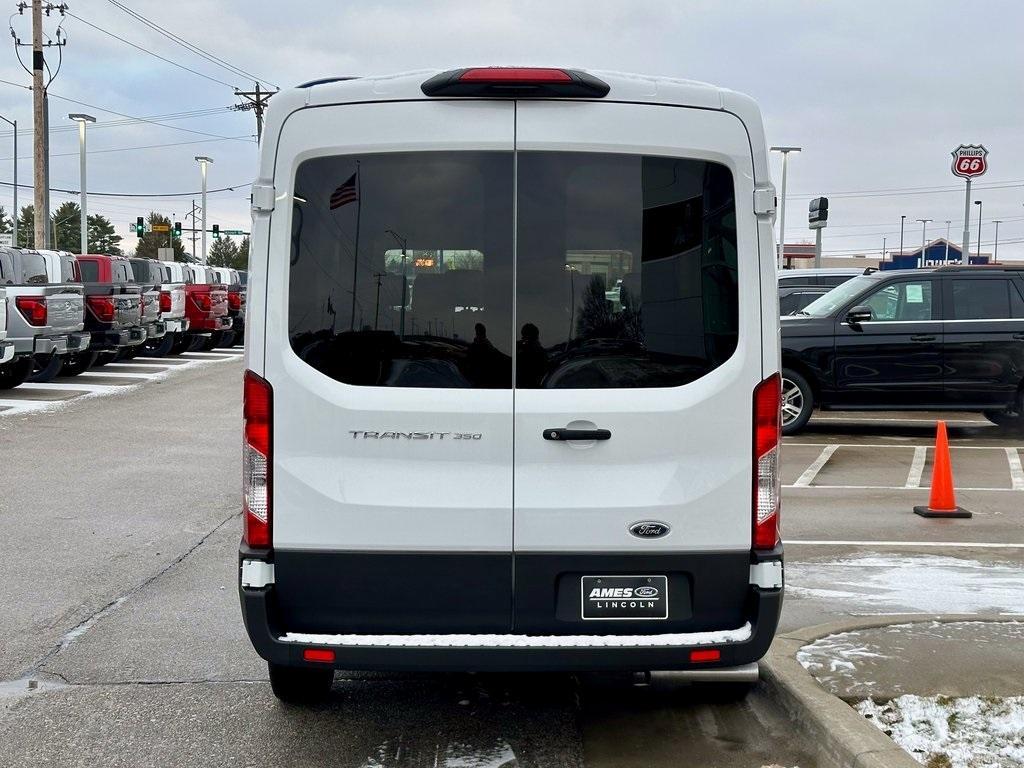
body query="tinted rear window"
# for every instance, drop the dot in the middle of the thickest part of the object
(69, 272)
(33, 268)
(626, 271)
(122, 271)
(402, 269)
(981, 299)
(90, 271)
(7, 275)
(243, 277)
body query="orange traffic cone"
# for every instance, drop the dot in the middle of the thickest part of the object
(942, 502)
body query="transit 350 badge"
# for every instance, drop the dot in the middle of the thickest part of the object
(970, 160)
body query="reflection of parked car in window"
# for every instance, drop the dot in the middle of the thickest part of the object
(504, 344)
(950, 338)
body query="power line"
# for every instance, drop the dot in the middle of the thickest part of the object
(126, 149)
(133, 194)
(912, 191)
(151, 53)
(187, 45)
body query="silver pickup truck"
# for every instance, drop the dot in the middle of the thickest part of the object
(45, 320)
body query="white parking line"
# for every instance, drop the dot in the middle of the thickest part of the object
(892, 488)
(133, 365)
(902, 445)
(74, 386)
(812, 471)
(916, 467)
(1016, 472)
(957, 544)
(117, 375)
(890, 419)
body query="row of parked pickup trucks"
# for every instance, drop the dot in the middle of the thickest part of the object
(61, 314)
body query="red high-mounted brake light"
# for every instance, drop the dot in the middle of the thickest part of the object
(518, 82)
(515, 74)
(165, 301)
(102, 307)
(257, 418)
(767, 489)
(33, 308)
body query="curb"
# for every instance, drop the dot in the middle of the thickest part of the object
(841, 737)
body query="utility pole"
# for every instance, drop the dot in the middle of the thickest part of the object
(903, 218)
(255, 100)
(39, 120)
(978, 203)
(376, 312)
(946, 260)
(192, 215)
(883, 251)
(995, 248)
(40, 114)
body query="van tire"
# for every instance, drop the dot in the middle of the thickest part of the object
(797, 402)
(300, 685)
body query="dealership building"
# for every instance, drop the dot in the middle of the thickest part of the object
(936, 253)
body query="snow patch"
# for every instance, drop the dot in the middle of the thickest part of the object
(968, 732)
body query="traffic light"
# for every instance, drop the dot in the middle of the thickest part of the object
(140, 226)
(177, 229)
(216, 231)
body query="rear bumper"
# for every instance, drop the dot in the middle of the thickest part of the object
(6, 351)
(155, 330)
(79, 342)
(177, 325)
(124, 337)
(746, 639)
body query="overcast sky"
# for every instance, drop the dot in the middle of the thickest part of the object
(876, 93)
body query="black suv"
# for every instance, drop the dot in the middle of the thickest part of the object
(950, 338)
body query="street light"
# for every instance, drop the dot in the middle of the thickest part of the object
(203, 162)
(924, 230)
(82, 121)
(978, 203)
(946, 259)
(782, 207)
(995, 248)
(902, 219)
(401, 312)
(14, 224)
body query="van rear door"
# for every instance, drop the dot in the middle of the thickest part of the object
(388, 345)
(638, 351)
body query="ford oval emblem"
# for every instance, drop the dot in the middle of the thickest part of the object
(646, 591)
(649, 529)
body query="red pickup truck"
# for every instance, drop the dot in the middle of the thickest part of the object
(113, 307)
(206, 308)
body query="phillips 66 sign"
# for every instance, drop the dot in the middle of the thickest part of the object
(970, 160)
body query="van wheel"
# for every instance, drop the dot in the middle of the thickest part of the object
(15, 372)
(78, 363)
(797, 402)
(47, 367)
(300, 685)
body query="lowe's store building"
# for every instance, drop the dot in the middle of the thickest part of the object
(936, 254)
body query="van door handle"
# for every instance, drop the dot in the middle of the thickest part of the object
(922, 337)
(577, 434)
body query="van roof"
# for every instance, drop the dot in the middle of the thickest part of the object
(407, 85)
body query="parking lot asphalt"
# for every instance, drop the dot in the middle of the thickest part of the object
(122, 642)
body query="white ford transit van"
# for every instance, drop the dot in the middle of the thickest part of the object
(512, 398)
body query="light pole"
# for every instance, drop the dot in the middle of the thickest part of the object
(995, 248)
(782, 196)
(14, 218)
(883, 250)
(203, 162)
(924, 230)
(82, 121)
(946, 259)
(978, 203)
(902, 219)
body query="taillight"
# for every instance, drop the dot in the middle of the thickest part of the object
(101, 306)
(165, 301)
(767, 488)
(257, 399)
(204, 302)
(33, 308)
(235, 300)
(515, 81)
